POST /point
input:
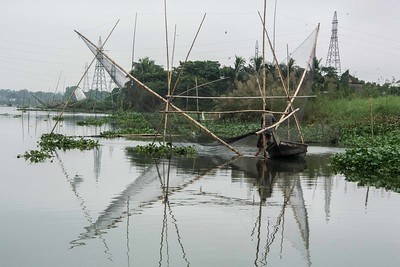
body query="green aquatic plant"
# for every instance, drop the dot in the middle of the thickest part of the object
(58, 118)
(93, 122)
(59, 141)
(36, 156)
(163, 151)
(49, 143)
(128, 131)
(375, 166)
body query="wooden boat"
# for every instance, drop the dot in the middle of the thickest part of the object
(285, 149)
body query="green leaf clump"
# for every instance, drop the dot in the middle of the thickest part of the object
(93, 122)
(163, 151)
(375, 166)
(49, 143)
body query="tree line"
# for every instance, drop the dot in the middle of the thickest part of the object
(210, 79)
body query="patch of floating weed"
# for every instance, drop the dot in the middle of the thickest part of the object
(49, 143)
(163, 151)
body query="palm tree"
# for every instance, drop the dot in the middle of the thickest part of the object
(239, 67)
(256, 64)
(145, 67)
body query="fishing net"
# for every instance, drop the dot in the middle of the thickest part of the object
(291, 83)
(298, 76)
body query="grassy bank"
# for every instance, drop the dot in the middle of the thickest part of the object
(352, 121)
(370, 128)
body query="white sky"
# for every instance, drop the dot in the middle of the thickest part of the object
(38, 42)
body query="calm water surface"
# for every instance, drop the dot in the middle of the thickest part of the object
(108, 207)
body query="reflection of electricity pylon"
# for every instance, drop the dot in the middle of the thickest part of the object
(97, 163)
(333, 58)
(99, 83)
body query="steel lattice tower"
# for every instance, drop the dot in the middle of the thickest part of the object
(99, 83)
(333, 58)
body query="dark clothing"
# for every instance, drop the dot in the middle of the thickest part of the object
(269, 120)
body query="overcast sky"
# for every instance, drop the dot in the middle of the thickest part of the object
(38, 42)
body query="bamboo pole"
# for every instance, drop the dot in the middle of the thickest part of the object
(372, 120)
(162, 98)
(168, 72)
(281, 76)
(227, 111)
(134, 41)
(201, 85)
(239, 97)
(86, 71)
(290, 100)
(282, 119)
(288, 78)
(187, 56)
(264, 94)
(299, 86)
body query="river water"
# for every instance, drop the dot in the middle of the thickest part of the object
(109, 207)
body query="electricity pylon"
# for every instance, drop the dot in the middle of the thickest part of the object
(333, 58)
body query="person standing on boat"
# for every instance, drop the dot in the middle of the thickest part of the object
(269, 120)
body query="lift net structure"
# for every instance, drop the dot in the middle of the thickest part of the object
(290, 84)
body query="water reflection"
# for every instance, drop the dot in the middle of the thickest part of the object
(164, 177)
(109, 207)
(280, 175)
(74, 183)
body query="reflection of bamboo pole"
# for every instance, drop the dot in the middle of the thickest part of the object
(83, 205)
(366, 197)
(161, 98)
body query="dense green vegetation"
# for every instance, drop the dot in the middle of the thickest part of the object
(49, 143)
(376, 166)
(370, 129)
(359, 115)
(163, 150)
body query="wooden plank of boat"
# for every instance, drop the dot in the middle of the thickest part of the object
(283, 148)
(287, 149)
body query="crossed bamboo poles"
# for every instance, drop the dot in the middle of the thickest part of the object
(167, 101)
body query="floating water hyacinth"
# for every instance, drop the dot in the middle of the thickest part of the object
(49, 143)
